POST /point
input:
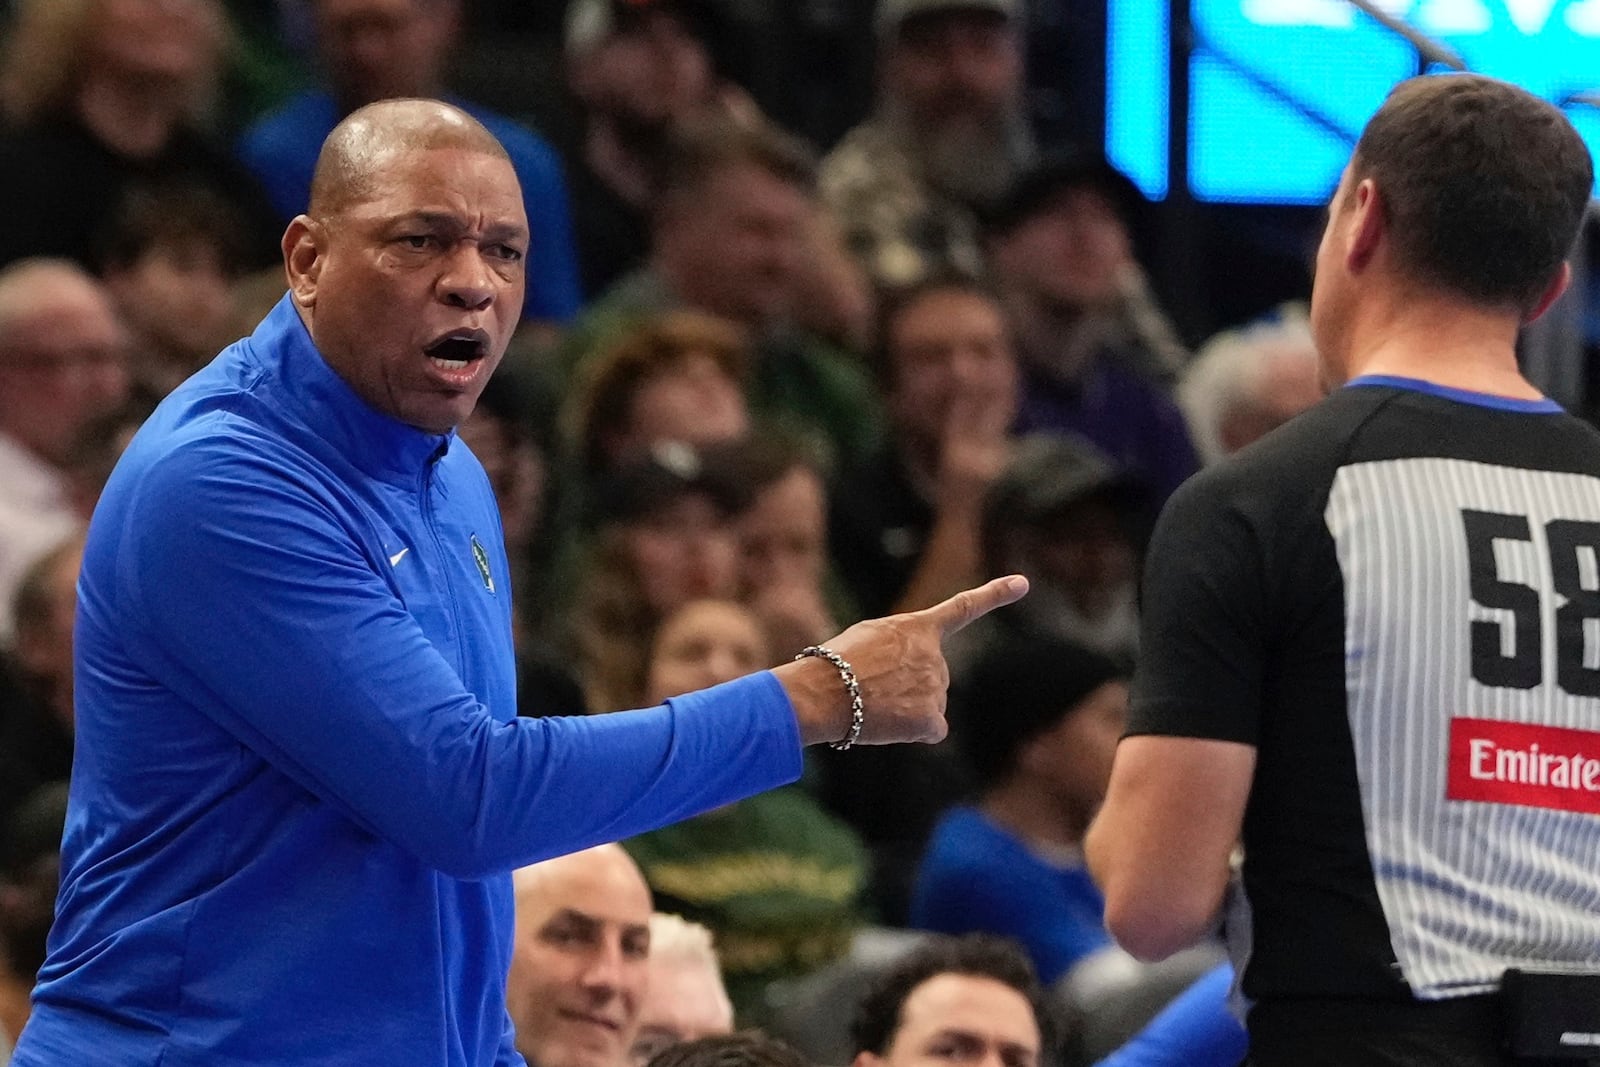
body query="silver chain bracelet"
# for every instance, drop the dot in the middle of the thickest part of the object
(858, 712)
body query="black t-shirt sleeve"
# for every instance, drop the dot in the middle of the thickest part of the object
(1203, 620)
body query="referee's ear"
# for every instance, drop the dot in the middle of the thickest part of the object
(1552, 292)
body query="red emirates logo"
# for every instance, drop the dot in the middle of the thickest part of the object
(1519, 763)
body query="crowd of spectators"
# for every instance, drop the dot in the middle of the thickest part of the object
(762, 389)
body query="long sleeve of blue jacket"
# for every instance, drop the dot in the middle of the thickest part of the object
(257, 605)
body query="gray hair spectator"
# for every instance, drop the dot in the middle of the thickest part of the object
(686, 999)
(1245, 383)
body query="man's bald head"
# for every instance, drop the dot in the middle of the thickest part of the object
(579, 962)
(368, 140)
(63, 355)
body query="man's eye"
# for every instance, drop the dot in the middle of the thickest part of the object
(508, 253)
(418, 241)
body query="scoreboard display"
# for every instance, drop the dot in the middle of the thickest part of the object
(1280, 89)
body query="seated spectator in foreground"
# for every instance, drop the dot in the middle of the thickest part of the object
(63, 356)
(171, 260)
(748, 1048)
(578, 967)
(100, 98)
(379, 49)
(1095, 350)
(1245, 383)
(774, 877)
(685, 999)
(729, 238)
(1038, 720)
(666, 538)
(971, 999)
(904, 523)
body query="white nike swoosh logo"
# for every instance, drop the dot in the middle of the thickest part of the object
(398, 556)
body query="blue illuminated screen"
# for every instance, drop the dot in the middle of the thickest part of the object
(1279, 89)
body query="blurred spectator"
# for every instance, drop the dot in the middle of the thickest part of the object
(905, 522)
(666, 537)
(509, 432)
(971, 999)
(30, 871)
(1068, 518)
(677, 376)
(685, 999)
(774, 877)
(171, 258)
(947, 136)
(378, 49)
(578, 962)
(1193, 1030)
(730, 236)
(36, 730)
(749, 1048)
(1094, 347)
(783, 542)
(639, 69)
(905, 533)
(99, 445)
(1038, 719)
(106, 95)
(1246, 383)
(62, 365)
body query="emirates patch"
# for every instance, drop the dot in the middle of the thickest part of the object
(1525, 764)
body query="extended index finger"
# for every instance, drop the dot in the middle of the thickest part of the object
(970, 605)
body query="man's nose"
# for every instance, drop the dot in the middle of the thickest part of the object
(603, 971)
(467, 280)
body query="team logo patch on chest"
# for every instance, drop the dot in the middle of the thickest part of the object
(1522, 763)
(481, 558)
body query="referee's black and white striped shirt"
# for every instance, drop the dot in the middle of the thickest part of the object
(1396, 599)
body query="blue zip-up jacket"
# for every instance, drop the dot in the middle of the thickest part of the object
(300, 781)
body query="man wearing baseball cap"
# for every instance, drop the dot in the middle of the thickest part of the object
(947, 136)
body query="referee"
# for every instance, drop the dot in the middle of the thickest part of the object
(1372, 640)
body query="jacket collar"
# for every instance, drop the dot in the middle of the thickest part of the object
(318, 399)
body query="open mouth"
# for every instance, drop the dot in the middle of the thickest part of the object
(456, 349)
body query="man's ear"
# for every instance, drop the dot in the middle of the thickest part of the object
(304, 247)
(1552, 292)
(1367, 224)
(867, 1059)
